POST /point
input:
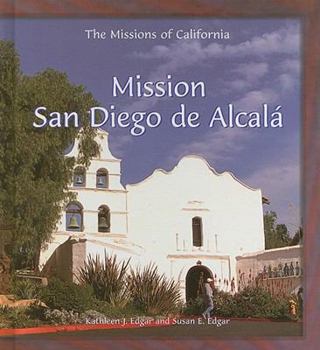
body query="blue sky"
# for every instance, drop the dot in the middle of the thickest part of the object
(259, 64)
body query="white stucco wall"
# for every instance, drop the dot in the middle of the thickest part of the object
(162, 206)
(255, 262)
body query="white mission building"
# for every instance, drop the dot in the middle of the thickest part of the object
(190, 221)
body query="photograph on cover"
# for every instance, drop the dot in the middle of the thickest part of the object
(150, 176)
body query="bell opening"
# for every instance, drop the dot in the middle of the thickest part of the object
(79, 180)
(101, 181)
(73, 223)
(103, 225)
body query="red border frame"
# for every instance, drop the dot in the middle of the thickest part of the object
(309, 12)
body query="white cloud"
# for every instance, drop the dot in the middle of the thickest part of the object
(254, 99)
(287, 81)
(290, 65)
(285, 41)
(142, 104)
(252, 71)
(223, 144)
(119, 144)
(183, 54)
(237, 84)
(280, 182)
(289, 73)
(247, 75)
(176, 56)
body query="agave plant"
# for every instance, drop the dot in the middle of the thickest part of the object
(152, 292)
(107, 278)
(26, 289)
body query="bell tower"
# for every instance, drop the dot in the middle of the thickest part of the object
(99, 194)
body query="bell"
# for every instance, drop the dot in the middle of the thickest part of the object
(103, 223)
(79, 179)
(73, 223)
(100, 181)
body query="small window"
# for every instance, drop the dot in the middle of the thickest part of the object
(102, 178)
(197, 236)
(74, 217)
(79, 177)
(104, 219)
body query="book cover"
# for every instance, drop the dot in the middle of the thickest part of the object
(155, 184)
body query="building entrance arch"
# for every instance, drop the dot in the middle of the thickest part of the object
(196, 276)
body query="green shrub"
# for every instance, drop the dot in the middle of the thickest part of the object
(107, 278)
(257, 302)
(194, 307)
(11, 317)
(153, 293)
(68, 296)
(279, 310)
(26, 289)
(251, 302)
(224, 304)
(36, 311)
(116, 311)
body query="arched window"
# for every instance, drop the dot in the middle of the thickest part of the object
(197, 236)
(74, 217)
(102, 178)
(79, 177)
(104, 219)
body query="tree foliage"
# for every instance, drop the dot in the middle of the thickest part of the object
(276, 235)
(297, 238)
(34, 173)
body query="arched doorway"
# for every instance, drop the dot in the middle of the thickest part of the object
(195, 279)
